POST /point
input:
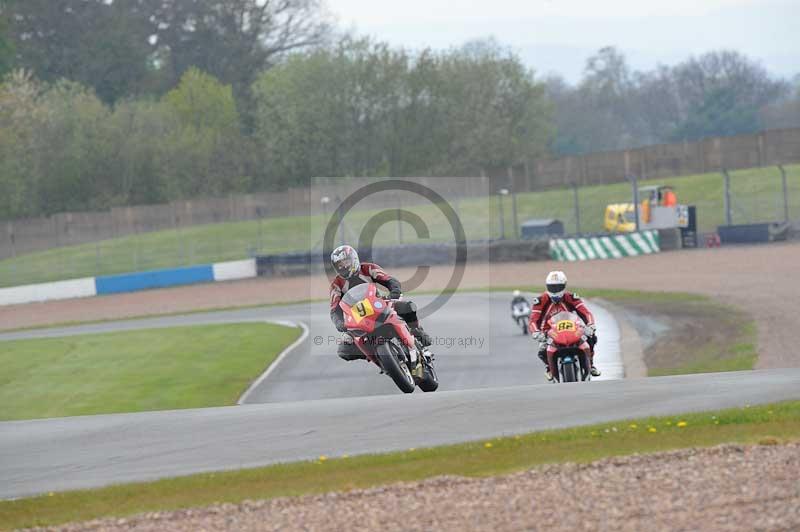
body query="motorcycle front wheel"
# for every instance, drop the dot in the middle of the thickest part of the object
(429, 381)
(393, 363)
(569, 373)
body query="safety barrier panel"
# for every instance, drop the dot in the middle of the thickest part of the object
(605, 247)
(128, 282)
(33, 293)
(231, 271)
(132, 282)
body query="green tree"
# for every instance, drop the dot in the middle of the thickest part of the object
(101, 44)
(74, 150)
(20, 115)
(138, 134)
(494, 110)
(200, 100)
(7, 51)
(233, 40)
(721, 93)
(363, 108)
(784, 113)
(718, 93)
(720, 113)
(302, 119)
(208, 155)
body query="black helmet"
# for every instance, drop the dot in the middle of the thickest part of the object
(345, 261)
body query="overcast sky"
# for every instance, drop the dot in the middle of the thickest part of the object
(558, 35)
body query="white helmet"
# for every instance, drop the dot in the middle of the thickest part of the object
(516, 293)
(556, 283)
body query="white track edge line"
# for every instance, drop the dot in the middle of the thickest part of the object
(261, 378)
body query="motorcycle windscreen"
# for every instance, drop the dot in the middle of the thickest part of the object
(564, 316)
(362, 307)
(358, 293)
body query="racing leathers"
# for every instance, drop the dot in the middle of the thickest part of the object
(371, 273)
(544, 308)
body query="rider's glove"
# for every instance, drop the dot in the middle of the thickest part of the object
(395, 294)
(538, 336)
(588, 330)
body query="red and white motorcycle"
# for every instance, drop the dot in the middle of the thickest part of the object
(385, 339)
(569, 355)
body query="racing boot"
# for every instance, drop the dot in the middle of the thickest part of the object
(423, 337)
(416, 360)
(348, 350)
(543, 358)
(592, 369)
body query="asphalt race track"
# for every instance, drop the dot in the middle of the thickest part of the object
(475, 341)
(316, 404)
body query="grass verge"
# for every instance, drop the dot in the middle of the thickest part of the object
(703, 335)
(750, 425)
(132, 371)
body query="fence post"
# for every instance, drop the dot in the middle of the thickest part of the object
(342, 236)
(96, 248)
(785, 194)
(514, 212)
(261, 229)
(576, 204)
(399, 220)
(513, 189)
(727, 197)
(501, 214)
(635, 185)
(137, 250)
(13, 238)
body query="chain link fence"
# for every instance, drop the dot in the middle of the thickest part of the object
(490, 209)
(773, 196)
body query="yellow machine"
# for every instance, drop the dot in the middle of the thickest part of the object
(620, 218)
(658, 209)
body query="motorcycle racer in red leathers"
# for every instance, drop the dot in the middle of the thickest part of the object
(554, 300)
(352, 272)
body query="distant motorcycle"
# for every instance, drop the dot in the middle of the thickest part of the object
(372, 322)
(521, 313)
(568, 351)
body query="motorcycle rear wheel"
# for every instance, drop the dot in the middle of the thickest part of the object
(396, 368)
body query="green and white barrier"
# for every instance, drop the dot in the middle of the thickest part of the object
(605, 247)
